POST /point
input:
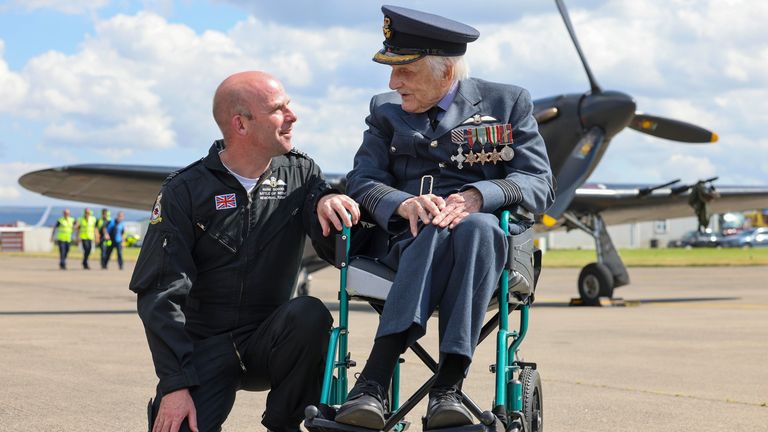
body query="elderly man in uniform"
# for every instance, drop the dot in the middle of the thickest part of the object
(443, 152)
(219, 263)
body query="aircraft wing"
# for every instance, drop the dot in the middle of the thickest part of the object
(620, 204)
(127, 186)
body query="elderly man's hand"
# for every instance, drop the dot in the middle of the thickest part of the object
(422, 207)
(457, 207)
(334, 209)
(174, 408)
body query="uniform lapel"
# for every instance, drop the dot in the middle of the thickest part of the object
(465, 105)
(418, 122)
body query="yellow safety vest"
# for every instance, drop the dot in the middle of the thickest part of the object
(87, 227)
(64, 230)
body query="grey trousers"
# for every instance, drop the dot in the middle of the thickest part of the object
(454, 270)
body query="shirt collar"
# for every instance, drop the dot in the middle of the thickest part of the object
(447, 100)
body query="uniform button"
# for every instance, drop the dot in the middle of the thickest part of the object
(441, 164)
(393, 149)
(433, 144)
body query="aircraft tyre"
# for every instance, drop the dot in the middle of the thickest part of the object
(595, 281)
(533, 407)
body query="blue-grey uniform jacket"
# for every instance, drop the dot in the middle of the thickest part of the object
(488, 139)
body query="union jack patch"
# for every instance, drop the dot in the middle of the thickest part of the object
(226, 201)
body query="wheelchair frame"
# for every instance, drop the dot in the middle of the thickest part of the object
(508, 409)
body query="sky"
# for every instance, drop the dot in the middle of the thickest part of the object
(131, 82)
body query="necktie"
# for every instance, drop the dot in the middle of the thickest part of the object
(432, 114)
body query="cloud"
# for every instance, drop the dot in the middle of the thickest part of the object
(10, 190)
(13, 87)
(141, 83)
(74, 7)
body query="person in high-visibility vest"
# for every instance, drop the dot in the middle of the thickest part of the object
(62, 233)
(103, 239)
(85, 232)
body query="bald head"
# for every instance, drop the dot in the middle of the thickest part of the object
(239, 94)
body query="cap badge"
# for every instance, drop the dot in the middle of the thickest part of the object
(386, 29)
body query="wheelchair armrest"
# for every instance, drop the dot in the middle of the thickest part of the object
(521, 264)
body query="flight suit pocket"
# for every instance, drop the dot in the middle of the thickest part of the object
(227, 232)
(152, 263)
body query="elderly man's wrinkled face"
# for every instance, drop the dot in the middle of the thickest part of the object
(418, 86)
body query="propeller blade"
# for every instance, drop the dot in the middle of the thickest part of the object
(567, 20)
(648, 190)
(675, 130)
(575, 170)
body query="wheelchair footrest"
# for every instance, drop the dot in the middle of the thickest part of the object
(495, 426)
(323, 425)
(315, 421)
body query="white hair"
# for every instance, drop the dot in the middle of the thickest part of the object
(439, 65)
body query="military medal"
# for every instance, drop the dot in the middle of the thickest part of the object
(459, 157)
(483, 157)
(495, 156)
(472, 158)
(507, 153)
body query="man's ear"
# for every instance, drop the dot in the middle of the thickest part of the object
(448, 73)
(238, 125)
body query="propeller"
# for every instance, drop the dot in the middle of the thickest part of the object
(653, 125)
(675, 130)
(684, 188)
(648, 190)
(567, 20)
(575, 170)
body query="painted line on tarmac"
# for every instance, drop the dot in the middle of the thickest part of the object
(661, 393)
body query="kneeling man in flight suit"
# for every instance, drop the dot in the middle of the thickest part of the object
(219, 263)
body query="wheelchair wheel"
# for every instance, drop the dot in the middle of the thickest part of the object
(533, 407)
(595, 280)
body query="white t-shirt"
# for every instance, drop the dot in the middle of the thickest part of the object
(248, 183)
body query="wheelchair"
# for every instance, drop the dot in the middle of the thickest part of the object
(517, 406)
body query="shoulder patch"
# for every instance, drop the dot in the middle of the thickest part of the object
(177, 172)
(157, 216)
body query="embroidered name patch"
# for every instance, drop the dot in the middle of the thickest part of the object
(272, 188)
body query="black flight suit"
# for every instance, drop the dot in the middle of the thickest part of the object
(214, 279)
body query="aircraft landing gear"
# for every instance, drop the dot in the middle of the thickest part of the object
(598, 279)
(595, 281)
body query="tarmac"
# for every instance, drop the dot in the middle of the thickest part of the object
(688, 352)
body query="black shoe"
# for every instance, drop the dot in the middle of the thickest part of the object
(365, 405)
(445, 409)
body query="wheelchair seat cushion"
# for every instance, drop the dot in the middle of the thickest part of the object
(367, 278)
